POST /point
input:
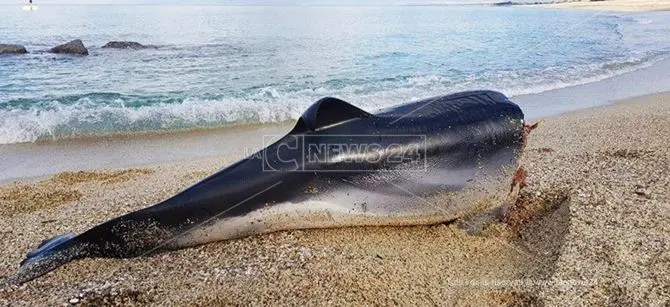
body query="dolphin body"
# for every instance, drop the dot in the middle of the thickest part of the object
(425, 162)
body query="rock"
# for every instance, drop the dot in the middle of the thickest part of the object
(124, 45)
(75, 47)
(12, 49)
(74, 301)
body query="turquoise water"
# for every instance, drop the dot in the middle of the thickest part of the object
(225, 65)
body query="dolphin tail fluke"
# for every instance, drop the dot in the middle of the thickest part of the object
(51, 254)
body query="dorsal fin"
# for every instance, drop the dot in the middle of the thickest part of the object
(329, 111)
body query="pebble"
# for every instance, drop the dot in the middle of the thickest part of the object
(643, 192)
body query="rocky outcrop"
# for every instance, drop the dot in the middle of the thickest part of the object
(75, 47)
(504, 3)
(514, 3)
(12, 49)
(124, 45)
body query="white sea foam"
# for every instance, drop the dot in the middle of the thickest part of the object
(644, 21)
(54, 120)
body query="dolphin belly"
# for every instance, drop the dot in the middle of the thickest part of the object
(354, 204)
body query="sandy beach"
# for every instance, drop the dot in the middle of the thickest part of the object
(591, 227)
(615, 5)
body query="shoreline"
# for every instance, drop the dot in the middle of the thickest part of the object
(600, 193)
(612, 5)
(28, 160)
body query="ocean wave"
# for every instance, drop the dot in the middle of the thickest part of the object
(53, 118)
(80, 119)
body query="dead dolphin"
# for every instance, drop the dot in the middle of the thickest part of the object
(425, 162)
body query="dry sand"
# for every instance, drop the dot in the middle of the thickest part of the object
(615, 5)
(591, 227)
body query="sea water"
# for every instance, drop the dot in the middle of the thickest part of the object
(216, 65)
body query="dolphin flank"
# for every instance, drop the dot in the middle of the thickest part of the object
(425, 162)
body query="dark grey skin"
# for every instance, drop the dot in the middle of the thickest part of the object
(395, 163)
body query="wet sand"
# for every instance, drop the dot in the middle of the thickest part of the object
(591, 227)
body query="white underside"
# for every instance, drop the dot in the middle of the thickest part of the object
(351, 208)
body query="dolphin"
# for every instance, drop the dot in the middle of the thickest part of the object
(425, 162)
